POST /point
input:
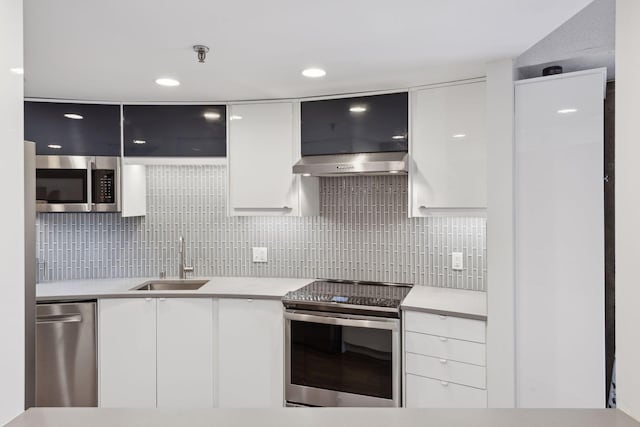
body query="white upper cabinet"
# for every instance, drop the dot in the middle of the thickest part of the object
(448, 172)
(134, 190)
(263, 145)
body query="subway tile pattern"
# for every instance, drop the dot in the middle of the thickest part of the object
(362, 233)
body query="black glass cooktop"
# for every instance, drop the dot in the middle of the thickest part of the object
(325, 294)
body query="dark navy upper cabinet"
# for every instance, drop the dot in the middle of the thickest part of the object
(365, 124)
(73, 129)
(175, 130)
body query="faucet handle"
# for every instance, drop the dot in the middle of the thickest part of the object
(187, 269)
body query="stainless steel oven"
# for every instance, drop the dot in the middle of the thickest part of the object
(342, 343)
(77, 184)
(341, 359)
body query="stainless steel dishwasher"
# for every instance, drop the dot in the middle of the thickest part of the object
(66, 356)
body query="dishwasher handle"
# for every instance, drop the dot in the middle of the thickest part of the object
(59, 318)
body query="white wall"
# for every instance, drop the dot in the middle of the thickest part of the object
(500, 237)
(12, 219)
(627, 206)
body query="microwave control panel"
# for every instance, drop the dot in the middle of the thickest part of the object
(103, 186)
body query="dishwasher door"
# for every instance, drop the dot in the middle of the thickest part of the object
(66, 356)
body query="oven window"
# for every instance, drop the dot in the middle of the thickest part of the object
(342, 358)
(61, 186)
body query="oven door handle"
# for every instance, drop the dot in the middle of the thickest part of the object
(345, 320)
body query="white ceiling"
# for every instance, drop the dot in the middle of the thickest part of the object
(115, 49)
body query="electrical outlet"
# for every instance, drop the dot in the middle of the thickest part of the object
(456, 261)
(259, 254)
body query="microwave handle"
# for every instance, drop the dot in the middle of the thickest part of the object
(90, 168)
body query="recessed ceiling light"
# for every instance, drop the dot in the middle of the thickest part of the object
(314, 73)
(73, 116)
(398, 137)
(235, 117)
(567, 110)
(211, 115)
(459, 135)
(17, 70)
(139, 141)
(55, 146)
(166, 81)
(358, 109)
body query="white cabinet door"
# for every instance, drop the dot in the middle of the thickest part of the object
(261, 154)
(448, 173)
(251, 353)
(559, 246)
(134, 190)
(185, 353)
(127, 352)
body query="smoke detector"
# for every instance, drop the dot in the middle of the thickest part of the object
(202, 51)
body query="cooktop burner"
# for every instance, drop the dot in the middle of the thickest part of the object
(348, 296)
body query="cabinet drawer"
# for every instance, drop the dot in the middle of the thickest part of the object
(427, 393)
(446, 348)
(445, 326)
(446, 370)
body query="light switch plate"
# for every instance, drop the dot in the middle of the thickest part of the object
(456, 261)
(259, 254)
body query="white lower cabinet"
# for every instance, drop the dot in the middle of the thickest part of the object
(185, 353)
(444, 361)
(425, 392)
(446, 370)
(127, 353)
(156, 352)
(250, 353)
(443, 347)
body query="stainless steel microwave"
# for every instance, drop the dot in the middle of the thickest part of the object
(77, 184)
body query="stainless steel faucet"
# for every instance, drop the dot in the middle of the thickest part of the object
(182, 269)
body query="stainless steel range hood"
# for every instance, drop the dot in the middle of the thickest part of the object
(381, 163)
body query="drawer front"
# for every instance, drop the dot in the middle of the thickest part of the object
(428, 393)
(446, 370)
(445, 326)
(446, 348)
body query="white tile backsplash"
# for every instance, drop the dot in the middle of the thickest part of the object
(362, 233)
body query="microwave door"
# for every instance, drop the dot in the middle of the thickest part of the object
(63, 184)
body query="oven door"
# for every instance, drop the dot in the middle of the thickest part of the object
(63, 183)
(342, 360)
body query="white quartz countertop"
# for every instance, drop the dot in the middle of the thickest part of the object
(449, 302)
(453, 302)
(223, 287)
(322, 417)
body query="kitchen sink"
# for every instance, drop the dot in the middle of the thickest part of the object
(170, 285)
